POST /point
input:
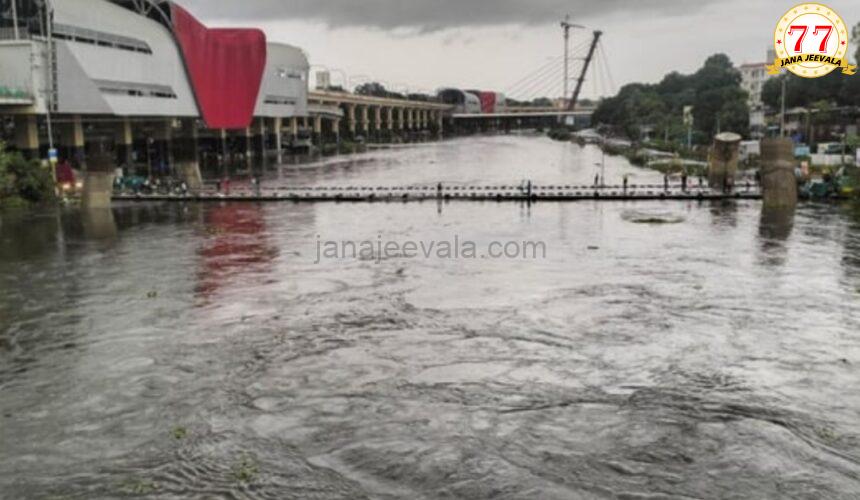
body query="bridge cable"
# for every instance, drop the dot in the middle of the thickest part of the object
(540, 82)
(530, 77)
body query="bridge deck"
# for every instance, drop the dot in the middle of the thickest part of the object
(452, 192)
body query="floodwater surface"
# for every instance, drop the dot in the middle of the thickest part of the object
(654, 350)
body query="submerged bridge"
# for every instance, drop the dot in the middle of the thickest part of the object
(423, 192)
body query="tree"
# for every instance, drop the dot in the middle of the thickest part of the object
(374, 89)
(802, 92)
(714, 91)
(855, 33)
(23, 179)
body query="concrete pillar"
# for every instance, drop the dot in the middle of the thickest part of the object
(73, 141)
(389, 118)
(27, 136)
(440, 123)
(779, 185)
(278, 127)
(318, 130)
(336, 129)
(97, 191)
(163, 137)
(98, 177)
(377, 120)
(400, 118)
(186, 154)
(365, 119)
(723, 164)
(350, 119)
(99, 224)
(410, 117)
(125, 145)
(294, 127)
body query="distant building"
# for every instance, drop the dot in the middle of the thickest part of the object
(754, 76)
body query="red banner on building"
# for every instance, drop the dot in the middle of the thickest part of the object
(225, 67)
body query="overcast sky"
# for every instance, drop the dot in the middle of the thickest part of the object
(495, 44)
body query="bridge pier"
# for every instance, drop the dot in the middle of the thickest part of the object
(778, 182)
(365, 121)
(723, 164)
(377, 123)
(186, 154)
(401, 119)
(350, 120)
(317, 133)
(440, 124)
(99, 175)
(73, 142)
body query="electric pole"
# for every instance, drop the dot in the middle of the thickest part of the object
(782, 111)
(566, 26)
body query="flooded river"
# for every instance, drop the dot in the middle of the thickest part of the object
(207, 351)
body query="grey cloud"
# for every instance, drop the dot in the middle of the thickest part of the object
(433, 15)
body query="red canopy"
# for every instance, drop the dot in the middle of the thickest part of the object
(225, 66)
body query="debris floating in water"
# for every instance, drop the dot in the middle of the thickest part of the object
(652, 218)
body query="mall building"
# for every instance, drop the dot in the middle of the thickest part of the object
(145, 85)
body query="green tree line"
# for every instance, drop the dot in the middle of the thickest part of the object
(714, 92)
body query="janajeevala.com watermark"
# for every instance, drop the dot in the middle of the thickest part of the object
(454, 248)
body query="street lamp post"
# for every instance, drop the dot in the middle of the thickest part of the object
(15, 18)
(49, 102)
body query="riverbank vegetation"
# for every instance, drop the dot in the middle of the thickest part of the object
(23, 182)
(645, 112)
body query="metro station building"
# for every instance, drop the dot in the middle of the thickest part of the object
(146, 83)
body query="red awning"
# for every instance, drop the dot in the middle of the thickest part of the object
(226, 69)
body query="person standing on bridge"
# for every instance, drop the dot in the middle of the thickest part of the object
(684, 180)
(666, 182)
(625, 183)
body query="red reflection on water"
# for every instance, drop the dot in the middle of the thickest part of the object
(236, 248)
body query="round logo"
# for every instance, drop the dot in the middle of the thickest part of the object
(811, 40)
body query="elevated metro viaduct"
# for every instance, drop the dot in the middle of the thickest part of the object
(375, 118)
(143, 85)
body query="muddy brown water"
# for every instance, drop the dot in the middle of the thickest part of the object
(200, 351)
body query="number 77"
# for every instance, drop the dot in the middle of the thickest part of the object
(798, 47)
(829, 29)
